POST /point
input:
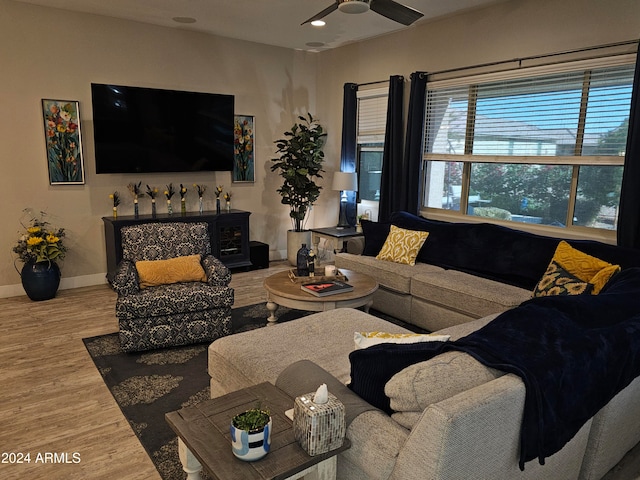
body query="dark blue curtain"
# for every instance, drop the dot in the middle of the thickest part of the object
(413, 145)
(629, 215)
(348, 149)
(392, 189)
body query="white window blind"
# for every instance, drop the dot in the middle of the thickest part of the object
(372, 115)
(561, 114)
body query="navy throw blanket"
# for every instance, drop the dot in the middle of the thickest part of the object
(573, 353)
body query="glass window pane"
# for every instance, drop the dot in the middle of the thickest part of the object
(598, 197)
(369, 173)
(443, 185)
(520, 193)
(608, 106)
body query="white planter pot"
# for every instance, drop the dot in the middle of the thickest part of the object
(250, 446)
(295, 241)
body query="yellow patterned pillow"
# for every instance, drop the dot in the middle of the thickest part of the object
(367, 339)
(402, 246)
(152, 273)
(583, 266)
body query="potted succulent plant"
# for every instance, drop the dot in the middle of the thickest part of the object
(251, 434)
(300, 165)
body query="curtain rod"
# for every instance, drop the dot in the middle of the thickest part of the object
(536, 57)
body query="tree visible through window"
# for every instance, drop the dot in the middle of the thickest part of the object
(546, 149)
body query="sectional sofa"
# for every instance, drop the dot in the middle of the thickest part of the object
(464, 271)
(450, 410)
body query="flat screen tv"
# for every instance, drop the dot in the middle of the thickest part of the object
(147, 130)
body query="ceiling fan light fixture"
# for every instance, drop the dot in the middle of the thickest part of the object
(353, 6)
(318, 23)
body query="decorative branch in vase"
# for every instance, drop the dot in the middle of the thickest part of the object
(152, 192)
(218, 192)
(115, 196)
(227, 198)
(169, 192)
(201, 189)
(183, 199)
(135, 190)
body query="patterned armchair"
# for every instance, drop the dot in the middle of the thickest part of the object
(177, 313)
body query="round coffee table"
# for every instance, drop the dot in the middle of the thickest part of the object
(281, 290)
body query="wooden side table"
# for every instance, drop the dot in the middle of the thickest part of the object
(338, 237)
(204, 440)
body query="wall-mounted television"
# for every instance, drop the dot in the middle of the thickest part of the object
(147, 130)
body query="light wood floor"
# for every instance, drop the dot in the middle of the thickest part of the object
(52, 398)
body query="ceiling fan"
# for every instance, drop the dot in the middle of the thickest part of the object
(387, 8)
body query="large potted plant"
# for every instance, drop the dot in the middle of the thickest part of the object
(300, 165)
(40, 247)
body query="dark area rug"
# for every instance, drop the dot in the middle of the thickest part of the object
(146, 385)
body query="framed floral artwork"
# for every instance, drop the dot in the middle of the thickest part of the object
(63, 141)
(243, 152)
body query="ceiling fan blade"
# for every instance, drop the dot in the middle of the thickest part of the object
(395, 11)
(322, 14)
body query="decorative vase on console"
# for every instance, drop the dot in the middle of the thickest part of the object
(115, 197)
(227, 197)
(201, 189)
(169, 193)
(134, 189)
(218, 192)
(183, 200)
(152, 192)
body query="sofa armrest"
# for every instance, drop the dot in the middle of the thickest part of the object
(125, 281)
(304, 376)
(217, 272)
(355, 245)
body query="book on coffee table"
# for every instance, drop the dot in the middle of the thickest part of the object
(322, 289)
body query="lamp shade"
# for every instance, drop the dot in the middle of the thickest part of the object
(345, 181)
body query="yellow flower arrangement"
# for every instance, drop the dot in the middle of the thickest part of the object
(218, 191)
(40, 243)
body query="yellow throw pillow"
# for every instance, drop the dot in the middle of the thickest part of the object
(152, 273)
(402, 246)
(557, 281)
(367, 339)
(580, 265)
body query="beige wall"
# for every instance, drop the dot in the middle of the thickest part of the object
(47, 53)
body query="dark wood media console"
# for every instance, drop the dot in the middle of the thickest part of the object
(229, 233)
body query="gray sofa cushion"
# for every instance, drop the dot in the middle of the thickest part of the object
(420, 385)
(393, 276)
(462, 292)
(325, 338)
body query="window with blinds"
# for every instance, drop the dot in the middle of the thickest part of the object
(541, 145)
(372, 120)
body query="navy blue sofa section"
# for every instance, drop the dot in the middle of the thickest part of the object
(490, 251)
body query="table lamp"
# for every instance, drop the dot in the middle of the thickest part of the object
(344, 182)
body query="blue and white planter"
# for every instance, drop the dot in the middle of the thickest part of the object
(253, 445)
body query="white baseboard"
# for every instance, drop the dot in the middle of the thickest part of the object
(7, 291)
